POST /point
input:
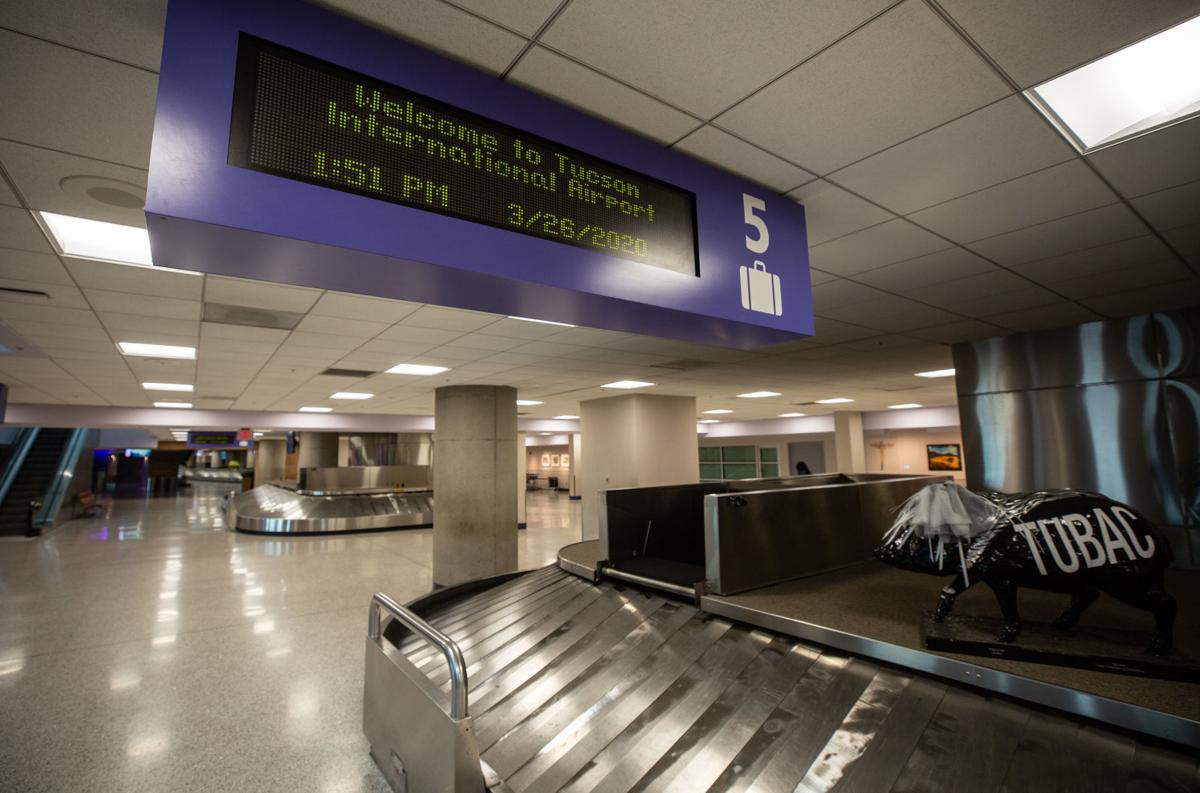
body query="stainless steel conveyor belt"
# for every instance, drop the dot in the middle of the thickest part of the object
(574, 685)
(268, 509)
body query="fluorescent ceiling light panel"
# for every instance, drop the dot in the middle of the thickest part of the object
(96, 239)
(528, 403)
(351, 395)
(759, 394)
(937, 373)
(834, 401)
(718, 411)
(904, 406)
(258, 434)
(315, 410)
(183, 387)
(417, 369)
(627, 384)
(544, 322)
(143, 350)
(1133, 90)
(172, 404)
(791, 415)
(566, 418)
(710, 421)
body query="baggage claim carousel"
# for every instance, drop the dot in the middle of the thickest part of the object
(694, 647)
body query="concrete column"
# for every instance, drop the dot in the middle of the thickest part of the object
(318, 450)
(575, 449)
(475, 465)
(849, 447)
(269, 460)
(522, 468)
(635, 440)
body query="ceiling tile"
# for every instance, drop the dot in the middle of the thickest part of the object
(1001, 141)
(1186, 239)
(449, 319)
(135, 280)
(40, 173)
(258, 294)
(7, 196)
(48, 315)
(300, 340)
(373, 309)
(840, 293)
(1111, 256)
(236, 333)
(736, 49)
(61, 295)
(902, 74)
(830, 211)
(950, 293)
(1162, 297)
(923, 271)
(524, 16)
(18, 231)
(1162, 159)
(959, 330)
(724, 150)
(1015, 300)
(29, 266)
(568, 82)
(1061, 190)
(874, 247)
(480, 341)
(520, 329)
(437, 26)
(1055, 315)
(1168, 209)
(1085, 230)
(1034, 40)
(1125, 279)
(147, 305)
(99, 109)
(129, 32)
(124, 324)
(340, 326)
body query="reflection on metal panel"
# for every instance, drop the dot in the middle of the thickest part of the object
(377, 478)
(1109, 406)
(268, 509)
(391, 448)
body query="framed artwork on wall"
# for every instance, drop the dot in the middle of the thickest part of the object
(546, 459)
(566, 461)
(944, 456)
(554, 461)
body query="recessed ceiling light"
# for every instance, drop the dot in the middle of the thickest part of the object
(545, 433)
(315, 410)
(628, 384)
(718, 411)
(710, 421)
(834, 401)
(144, 350)
(791, 415)
(904, 406)
(1129, 92)
(351, 395)
(758, 394)
(937, 373)
(172, 404)
(566, 418)
(544, 322)
(96, 239)
(418, 369)
(259, 434)
(184, 387)
(528, 403)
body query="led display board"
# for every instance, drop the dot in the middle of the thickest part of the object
(298, 146)
(307, 119)
(215, 440)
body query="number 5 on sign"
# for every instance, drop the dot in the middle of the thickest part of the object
(750, 205)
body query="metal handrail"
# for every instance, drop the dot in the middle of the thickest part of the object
(21, 447)
(454, 656)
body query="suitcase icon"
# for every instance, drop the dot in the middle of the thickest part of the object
(760, 290)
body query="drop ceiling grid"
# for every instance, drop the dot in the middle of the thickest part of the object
(834, 331)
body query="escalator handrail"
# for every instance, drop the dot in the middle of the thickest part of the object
(52, 499)
(24, 443)
(451, 651)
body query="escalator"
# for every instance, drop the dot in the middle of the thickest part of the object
(34, 477)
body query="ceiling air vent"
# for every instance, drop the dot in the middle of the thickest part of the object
(357, 374)
(251, 317)
(26, 295)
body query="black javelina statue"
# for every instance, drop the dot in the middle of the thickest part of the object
(1059, 540)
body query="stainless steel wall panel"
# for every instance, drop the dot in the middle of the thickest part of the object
(268, 509)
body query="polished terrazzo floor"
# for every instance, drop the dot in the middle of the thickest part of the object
(150, 649)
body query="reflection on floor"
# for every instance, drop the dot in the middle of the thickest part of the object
(149, 649)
